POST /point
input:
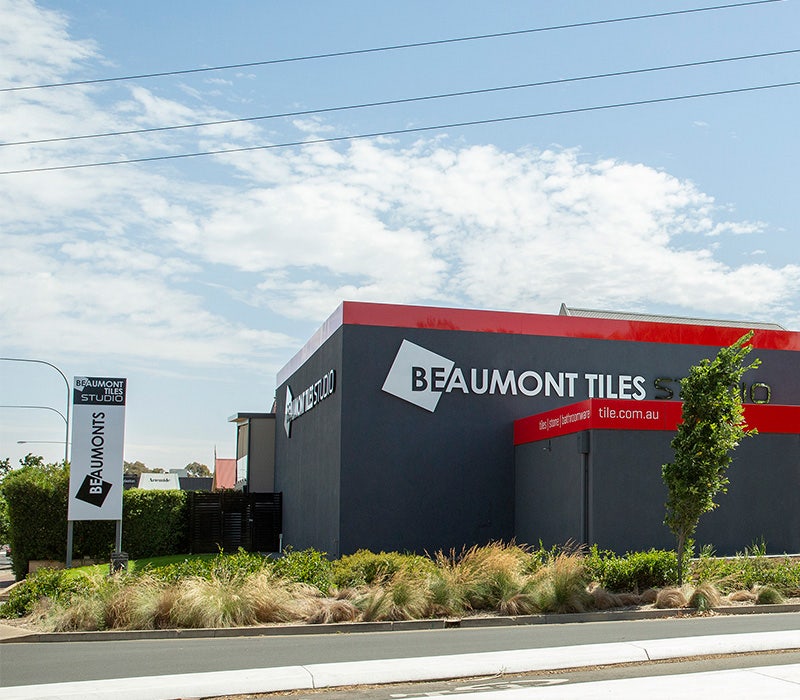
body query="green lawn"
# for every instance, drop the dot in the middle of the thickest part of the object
(138, 564)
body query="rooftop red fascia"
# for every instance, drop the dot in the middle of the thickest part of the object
(442, 318)
(356, 313)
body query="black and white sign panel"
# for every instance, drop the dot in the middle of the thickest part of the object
(98, 437)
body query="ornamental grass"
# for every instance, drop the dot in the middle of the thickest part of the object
(495, 579)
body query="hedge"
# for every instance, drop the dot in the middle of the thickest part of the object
(154, 523)
(37, 511)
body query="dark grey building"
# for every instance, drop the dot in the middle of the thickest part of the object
(395, 428)
(255, 452)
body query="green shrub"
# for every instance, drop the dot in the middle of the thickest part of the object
(365, 567)
(36, 497)
(4, 528)
(44, 583)
(154, 523)
(746, 570)
(225, 567)
(767, 595)
(305, 566)
(93, 539)
(636, 571)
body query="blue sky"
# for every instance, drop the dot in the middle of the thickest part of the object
(198, 279)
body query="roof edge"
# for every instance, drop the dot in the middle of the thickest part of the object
(520, 323)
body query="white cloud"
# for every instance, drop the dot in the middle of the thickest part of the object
(203, 263)
(221, 267)
(35, 46)
(480, 226)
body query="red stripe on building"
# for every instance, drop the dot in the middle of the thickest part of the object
(621, 414)
(395, 316)
(353, 313)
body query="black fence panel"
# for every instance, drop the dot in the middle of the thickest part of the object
(267, 522)
(230, 520)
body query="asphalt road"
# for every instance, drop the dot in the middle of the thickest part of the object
(52, 662)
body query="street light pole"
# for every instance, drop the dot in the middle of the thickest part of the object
(54, 410)
(66, 382)
(66, 438)
(38, 442)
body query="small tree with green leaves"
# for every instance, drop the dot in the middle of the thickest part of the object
(5, 467)
(197, 469)
(712, 426)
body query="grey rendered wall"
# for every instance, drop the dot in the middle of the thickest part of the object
(416, 480)
(308, 463)
(626, 509)
(549, 492)
(629, 495)
(261, 457)
(763, 499)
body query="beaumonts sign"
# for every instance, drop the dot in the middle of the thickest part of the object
(98, 435)
(422, 377)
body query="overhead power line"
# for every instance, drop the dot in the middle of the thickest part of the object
(395, 47)
(398, 132)
(406, 100)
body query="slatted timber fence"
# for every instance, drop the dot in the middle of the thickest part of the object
(228, 520)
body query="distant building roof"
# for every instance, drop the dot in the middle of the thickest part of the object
(224, 473)
(196, 483)
(155, 481)
(628, 316)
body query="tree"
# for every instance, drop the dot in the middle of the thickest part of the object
(35, 498)
(197, 469)
(139, 468)
(5, 467)
(32, 460)
(711, 427)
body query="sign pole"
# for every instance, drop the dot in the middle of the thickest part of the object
(69, 544)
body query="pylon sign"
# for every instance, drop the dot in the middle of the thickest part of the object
(98, 438)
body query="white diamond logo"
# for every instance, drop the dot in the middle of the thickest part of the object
(409, 376)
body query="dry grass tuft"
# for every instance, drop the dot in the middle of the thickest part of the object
(372, 604)
(270, 599)
(490, 578)
(210, 602)
(329, 610)
(83, 614)
(601, 598)
(144, 604)
(648, 596)
(671, 598)
(446, 593)
(629, 599)
(705, 597)
(742, 597)
(407, 597)
(560, 585)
